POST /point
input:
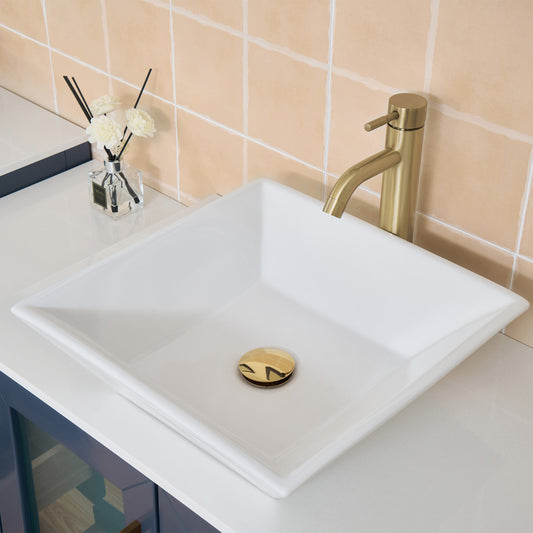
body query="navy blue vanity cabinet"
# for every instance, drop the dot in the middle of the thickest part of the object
(55, 478)
(174, 517)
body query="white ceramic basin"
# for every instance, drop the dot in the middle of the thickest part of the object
(371, 320)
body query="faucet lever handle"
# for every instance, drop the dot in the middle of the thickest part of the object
(381, 121)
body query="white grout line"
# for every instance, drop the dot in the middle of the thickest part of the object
(245, 90)
(482, 123)
(525, 258)
(54, 88)
(327, 114)
(467, 234)
(23, 35)
(367, 82)
(174, 96)
(525, 202)
(106, 44)
(428, 72)
(279, 151)
(157, 3)
(430, 49)
(204, 21)
(522, 217)
(288, 53)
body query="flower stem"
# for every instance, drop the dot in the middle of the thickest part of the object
(142, 88)
(127, 141)
(78, 99)
(82, 97)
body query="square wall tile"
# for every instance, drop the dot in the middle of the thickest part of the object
(287, 101)
(25, 68)
(483, 57)
(209, 71)
(521, 329)
(25, 16)
(383, 40)
(227, 12)
(210, 158)
(352, 105)
(139, 39)
(93, 84)
(473, 179)
(76, 28)
(154, 156)
(265, 163)
(363, 204)
(468, 252)
(301, 25)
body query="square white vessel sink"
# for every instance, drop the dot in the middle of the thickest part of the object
(371, 320)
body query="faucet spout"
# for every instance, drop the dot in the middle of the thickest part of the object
(357, 174)
(399, 163)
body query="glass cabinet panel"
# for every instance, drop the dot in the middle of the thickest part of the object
(68, 495)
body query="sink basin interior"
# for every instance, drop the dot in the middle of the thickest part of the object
(371, 321)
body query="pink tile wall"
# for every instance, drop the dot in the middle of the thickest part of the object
(249, 88)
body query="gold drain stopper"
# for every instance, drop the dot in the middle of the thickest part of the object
(266, 367)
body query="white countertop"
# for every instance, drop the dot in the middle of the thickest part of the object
(459, 459)
(30, 133)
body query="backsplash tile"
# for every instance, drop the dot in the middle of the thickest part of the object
(25, 69)
(480, 188)
(208, 77)
(76, 28)
(210, 159)
(139, 38)
(266, 163)
(15, 15)
(460, 248)
(282, 89)
(383, 40)
(489, 41)
(298, 25)
(287, 104)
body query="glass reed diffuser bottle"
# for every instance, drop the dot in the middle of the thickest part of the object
(115, 188)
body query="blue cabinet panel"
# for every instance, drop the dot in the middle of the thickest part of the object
(43, 169)
(20, 411)
(11, 512)
(174, 517)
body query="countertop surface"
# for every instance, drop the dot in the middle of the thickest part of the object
(30, 133)
(459, 459)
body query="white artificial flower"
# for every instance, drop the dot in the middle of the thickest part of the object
(104, 104)
(140, 123)
(104, 131)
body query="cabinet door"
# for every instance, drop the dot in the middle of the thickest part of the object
(174, 517)
(67, 481)
(11, 517)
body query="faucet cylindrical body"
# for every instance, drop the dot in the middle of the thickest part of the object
(399, 188)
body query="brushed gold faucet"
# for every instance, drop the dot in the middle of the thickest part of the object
(399, 162)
